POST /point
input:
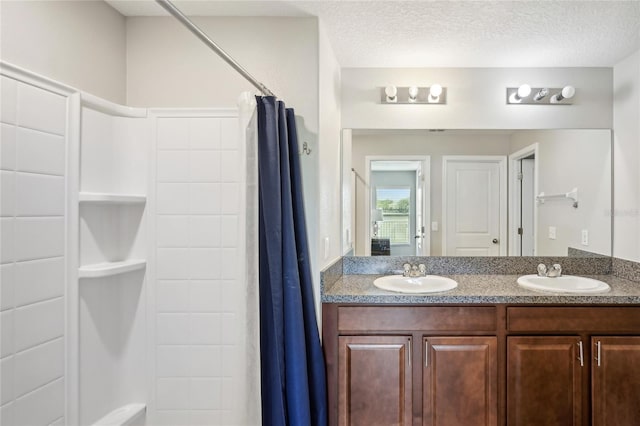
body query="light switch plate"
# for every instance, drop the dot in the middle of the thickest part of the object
(552, 232)
(434, 226)
(585, 237)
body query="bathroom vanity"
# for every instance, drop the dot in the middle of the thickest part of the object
(485, 353)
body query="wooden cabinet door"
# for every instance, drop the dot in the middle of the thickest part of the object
(544, 381)
(459, 382)
(374, 380)
(615, 381)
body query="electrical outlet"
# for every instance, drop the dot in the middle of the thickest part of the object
(585, 237)
(552, 232)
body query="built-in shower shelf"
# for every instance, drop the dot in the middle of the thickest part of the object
(108, 269)
(111, 198)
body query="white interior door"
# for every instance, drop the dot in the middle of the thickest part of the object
(527, 203)
(474, 206)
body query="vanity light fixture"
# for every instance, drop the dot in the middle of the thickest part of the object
(527, 95)
(435, 95)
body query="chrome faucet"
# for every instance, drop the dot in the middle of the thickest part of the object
(553, 271)
(410, 270)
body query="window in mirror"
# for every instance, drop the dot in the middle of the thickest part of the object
(394, 204)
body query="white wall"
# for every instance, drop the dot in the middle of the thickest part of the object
(419, 143)
(32, 228)
(626, 126)
(570, 159)
(79, 43)
(328, 154)
(476, 98)
(198, 355)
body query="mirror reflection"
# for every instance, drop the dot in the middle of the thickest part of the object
(477, 192)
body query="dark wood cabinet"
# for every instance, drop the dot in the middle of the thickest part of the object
(485, 365)
(375, 380)
(615, 367)
(460, 383)
(544, 381)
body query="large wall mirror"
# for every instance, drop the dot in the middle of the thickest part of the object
(476, 192)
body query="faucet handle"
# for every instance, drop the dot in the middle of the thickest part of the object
(423, 269)
(558, 268)
(542, 270)
(407, 269)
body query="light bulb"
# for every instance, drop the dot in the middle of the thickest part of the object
(435, 90)
(413, 93)
(524, 91)
(391, 92)
(568, 92)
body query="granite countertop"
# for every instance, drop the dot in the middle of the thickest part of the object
(477, 289)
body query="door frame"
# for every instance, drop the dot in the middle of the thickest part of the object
(501, 160)
(514, 195)
(426, 197)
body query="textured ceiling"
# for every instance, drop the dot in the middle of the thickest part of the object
(450, 33)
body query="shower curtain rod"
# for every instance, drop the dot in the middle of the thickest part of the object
(169, 7)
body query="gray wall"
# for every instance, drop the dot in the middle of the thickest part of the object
(79, 43)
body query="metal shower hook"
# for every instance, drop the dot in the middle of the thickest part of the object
(305, 149)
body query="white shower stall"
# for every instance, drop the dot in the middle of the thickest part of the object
(123, 260)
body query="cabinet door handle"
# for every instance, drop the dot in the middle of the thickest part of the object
(598, 352)
(426, 353)
(580, 356)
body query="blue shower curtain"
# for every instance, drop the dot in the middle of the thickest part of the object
(291, 359)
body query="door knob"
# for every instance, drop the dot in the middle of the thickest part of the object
(495, 241)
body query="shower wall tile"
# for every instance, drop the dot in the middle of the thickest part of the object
(204, 231)
(172, 296)
(205, 166)
(7, 392)
(40, 152)
(8, 193)
(7, 286)
(7, 336)
(32, 163)
(205, 198)
(8, 100)
(173, 393)
(38, 323)
(173, 166)
(7, 414)
(198, 235)
(173, 231)
(41, 110)
(39, 195)
(42, 406)
(7, 240)
(173, 198)
(31, 369)
(205, 133)
(39, 280)
(173, 133)
(7, 147)
(47, 231)
(172, 417)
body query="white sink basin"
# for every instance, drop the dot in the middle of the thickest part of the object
(427, 284)
(563, 284)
